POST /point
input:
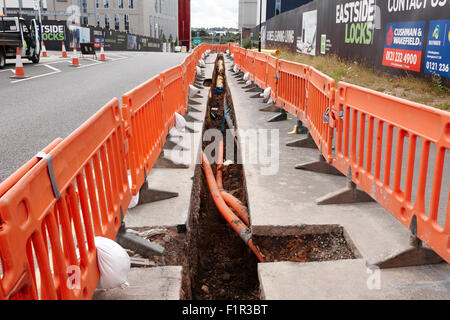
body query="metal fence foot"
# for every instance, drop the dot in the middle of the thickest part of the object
(193, 102)
(192, 109)
(299, 128)
(272, 108)
(415, 255)
(137, 244)
(169, 145)
(320, 166)
(350, 194)
(254, 88)
(166, 163)
(190, 118)
(147, 195)
(282, 116)
(307, 142)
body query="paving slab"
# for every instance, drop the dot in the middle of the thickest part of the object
(352, 280)
(158, 283)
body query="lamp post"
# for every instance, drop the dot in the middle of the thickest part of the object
(260, 21)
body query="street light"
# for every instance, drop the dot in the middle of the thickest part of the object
(260, 21)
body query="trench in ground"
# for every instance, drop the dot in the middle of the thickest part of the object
(217, 264)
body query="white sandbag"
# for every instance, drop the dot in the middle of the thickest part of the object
(113, 263)
(266, 93)
(193, 91)
(246, 76)
(199, 71)
(134, 199)
(232, 56)
(227, 52)
(249, 82)
(270, 101)
(174, 132)
(235, 69)
(180, 121)
(202, 63)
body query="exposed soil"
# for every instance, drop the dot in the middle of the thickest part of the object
(305, 248)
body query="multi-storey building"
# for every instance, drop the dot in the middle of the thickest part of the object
(152, 18)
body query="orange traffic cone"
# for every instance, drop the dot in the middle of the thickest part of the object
(75, 62)
(20, 72)
(64, 52)
(44, 50)
(102, 54)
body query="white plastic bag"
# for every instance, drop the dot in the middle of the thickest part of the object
(113, 263)
(266, 93)
(235, 69)
(246, 76)
(180, 122)
(193, 91)
(134, 199)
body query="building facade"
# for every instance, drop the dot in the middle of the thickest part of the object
(151, 18)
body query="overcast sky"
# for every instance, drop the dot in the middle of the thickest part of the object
(214, 13)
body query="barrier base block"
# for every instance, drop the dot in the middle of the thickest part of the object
(350, 194)
(139, 245)
(147, 195)
(190, 130)
(307, 142)
(193, 102)
(254, 88)
(320, 166)
(282, 116)
(192, 109)
(169, 145)
(166, 163)
(415, 255)
(271, 108)
(256, 96)
(190, 118)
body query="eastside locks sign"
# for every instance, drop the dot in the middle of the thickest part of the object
(403, 47)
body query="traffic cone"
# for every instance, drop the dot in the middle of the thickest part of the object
(102, 54)
(44, 50)
(20, 72)
(75, 62)
(64, 52)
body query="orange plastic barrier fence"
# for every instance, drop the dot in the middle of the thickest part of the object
(360, 119)
(142, 110)
(260, 69)
(173, 96)
(292, 86)
(320, 100)
(377, 139)
(272, 75)
(50, 216)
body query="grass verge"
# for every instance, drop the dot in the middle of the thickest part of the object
(432, 93)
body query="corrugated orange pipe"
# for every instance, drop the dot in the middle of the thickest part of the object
(237, 225)
(231, 200)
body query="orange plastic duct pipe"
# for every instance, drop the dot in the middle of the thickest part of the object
(231, 200)
(237, 225)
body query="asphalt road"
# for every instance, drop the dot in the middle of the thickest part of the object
(57, 98)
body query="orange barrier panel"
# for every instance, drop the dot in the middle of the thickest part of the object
(292, 86)
(173, 96)
(48, 225)
(272, 76)
(369, 125)
(260, 69)
(320, 99)
(16, 176)
(250, 64)
(142, 111)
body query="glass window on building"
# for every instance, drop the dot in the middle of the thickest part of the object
(126, 22)
(116, 22)
(120, 3)
(97, 3)
(107, 25)
(277, 7)
(97, 19)
(105, 3)
(130, 4)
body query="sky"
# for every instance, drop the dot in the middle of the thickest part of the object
(214, 13)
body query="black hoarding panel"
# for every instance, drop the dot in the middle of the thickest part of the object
(390, 35)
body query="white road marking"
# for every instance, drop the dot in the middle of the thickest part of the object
(55, 71)
(6, 70)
